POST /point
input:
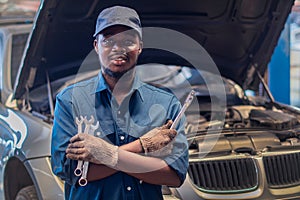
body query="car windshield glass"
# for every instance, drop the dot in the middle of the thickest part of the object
(178, 78)
(18, 8)
(171, 76)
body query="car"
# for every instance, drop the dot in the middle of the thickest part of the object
(17, 172)
(242, 145)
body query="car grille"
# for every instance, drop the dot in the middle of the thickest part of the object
(224, 176)
(282, 170)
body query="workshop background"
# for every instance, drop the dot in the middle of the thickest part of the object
(285, 62)
(284, 65)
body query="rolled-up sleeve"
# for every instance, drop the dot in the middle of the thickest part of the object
(178, 159)
(63, 130)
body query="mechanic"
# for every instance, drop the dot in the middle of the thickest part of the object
(133, 152)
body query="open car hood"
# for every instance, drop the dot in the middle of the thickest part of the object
(237, 34)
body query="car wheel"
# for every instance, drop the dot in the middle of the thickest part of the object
(27, 193)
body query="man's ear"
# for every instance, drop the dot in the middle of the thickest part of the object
(96, 45)
(141, 47)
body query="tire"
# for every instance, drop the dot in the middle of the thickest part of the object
(27, 193)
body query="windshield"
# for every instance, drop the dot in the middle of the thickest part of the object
(18, 8)
(178, 78)
(175, 79)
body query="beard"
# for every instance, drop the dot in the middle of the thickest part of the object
(117, 75)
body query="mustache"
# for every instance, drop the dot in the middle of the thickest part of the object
(115, 56)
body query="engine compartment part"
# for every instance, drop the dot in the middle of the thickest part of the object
(271, 119)
(241, 143)
(241, 117)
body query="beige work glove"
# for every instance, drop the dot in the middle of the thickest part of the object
(157, 142)
(87, 147)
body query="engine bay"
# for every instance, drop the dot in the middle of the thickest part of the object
(245, 129)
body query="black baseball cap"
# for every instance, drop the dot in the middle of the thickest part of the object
(118, 15)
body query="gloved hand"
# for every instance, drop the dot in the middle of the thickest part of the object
(87, 147)
(157, 141)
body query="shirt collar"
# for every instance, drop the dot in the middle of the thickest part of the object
(102, 85)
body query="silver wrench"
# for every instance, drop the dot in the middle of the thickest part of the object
(78, 170)
(186, 104)
(88, 124)
(83, 179)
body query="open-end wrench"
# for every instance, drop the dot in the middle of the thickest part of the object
(83, 180)
(88, 124)
(78, 170)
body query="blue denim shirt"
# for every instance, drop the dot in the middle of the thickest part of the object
(143, 109)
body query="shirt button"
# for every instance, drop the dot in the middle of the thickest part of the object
(141, 181)
(119, 112)
(98, 134)
(122, 137)
(128, 188)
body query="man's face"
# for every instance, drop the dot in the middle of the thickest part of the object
(118, 48)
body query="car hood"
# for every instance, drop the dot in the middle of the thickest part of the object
(236, 34)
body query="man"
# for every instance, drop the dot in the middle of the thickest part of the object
(128, 157)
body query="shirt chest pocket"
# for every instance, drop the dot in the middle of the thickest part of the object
(141, 125)
(138, 129)
(106, 130)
